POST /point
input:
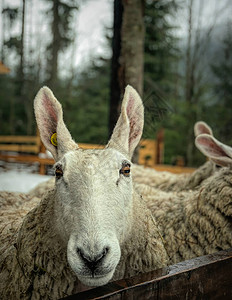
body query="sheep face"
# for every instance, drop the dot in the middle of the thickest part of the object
(94, 192)
(94, 198)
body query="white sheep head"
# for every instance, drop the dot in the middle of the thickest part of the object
(94, 191)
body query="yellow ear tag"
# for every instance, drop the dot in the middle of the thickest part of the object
(54, 139)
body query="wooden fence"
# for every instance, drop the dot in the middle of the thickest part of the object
(205, 277)
(29, 149)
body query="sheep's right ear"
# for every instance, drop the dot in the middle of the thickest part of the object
(49, 117)
(129, 127)
(201, 127)
(219, 153)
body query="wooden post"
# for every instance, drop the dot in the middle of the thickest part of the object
(160, 146)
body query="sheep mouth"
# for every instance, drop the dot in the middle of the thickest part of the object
(94, 280)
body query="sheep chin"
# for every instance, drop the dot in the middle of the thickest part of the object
(96, 281)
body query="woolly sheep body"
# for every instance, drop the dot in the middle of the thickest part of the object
(167, 181)
(194, 223)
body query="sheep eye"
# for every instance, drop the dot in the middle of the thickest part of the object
(58, 172)
(125, 170)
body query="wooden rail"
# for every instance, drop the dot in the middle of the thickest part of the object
(20, 143)
(205, 277)
(28, 149)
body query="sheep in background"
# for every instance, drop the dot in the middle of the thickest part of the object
(199, 222)
(165, 181)
(92, 227)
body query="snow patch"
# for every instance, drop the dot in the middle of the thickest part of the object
(20, 181)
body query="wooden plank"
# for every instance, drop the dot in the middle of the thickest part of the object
(160, 146)
(20, 148)
(205, 277)
(19, 139)
(27, 159)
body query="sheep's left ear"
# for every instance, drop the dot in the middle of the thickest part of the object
(49, 116)
(129, 127)
(219, 153)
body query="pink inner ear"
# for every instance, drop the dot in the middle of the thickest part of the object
(132, 119)
(49, 109)
(203, 129)
(130, 105)
(49, 117)
(211, 147)
(48, 120)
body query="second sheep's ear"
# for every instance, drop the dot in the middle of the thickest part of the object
(49, 117)
(218, 152)
(129, 127)
(201, 127)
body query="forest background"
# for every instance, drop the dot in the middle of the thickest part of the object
(186, 59)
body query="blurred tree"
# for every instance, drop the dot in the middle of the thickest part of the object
(9, 42)
(128, 50)
(132, 45)
(62, 31)
(9, 16)
(86, 109)
(161, 60)
(223, 89)
(197, 67)
(115, 90)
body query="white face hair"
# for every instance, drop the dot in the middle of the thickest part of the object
(94, 191)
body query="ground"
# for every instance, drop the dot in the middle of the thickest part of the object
(19, 177)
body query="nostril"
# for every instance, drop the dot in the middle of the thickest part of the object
(84, 256)
(92, 262)
(105, 251)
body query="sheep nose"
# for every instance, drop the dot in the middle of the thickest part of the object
(92, 261)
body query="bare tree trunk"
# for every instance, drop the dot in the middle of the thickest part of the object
(21, 65)
(189, 85)
(115, 90)
(55, 46)
(132, 53)
(3, 20)
(128, 52)
(188, 55)
(12, 116)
